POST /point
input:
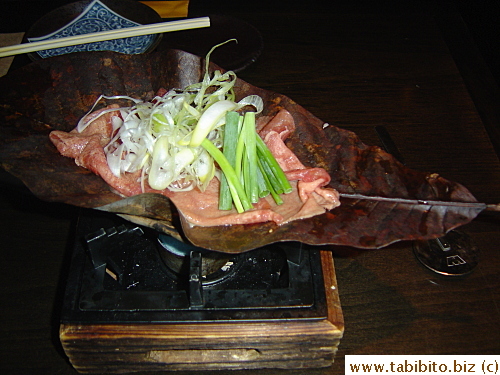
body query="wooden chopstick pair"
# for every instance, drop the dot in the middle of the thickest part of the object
(154, 28)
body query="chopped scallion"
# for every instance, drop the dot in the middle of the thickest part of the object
(241, 201)
(267, 156)
(229, 150)
(253, 164)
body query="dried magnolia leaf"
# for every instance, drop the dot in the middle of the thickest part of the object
(360, 221)
(382, 201)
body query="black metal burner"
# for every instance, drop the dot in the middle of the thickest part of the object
(123, 273)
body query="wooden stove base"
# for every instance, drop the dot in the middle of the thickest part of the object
(122, 348)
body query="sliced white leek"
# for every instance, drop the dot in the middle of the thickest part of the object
(162, 138)
(209, 120)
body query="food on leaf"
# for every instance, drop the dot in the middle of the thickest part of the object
(53, 94)
(306, 197)
(171, 145)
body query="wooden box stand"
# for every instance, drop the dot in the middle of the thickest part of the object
(122, 348)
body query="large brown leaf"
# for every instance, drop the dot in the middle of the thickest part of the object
(55, 93)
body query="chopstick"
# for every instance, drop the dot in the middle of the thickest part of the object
(154, 28)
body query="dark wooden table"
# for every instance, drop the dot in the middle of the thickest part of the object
(412, 69)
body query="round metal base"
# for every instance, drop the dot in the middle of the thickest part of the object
(454, 254)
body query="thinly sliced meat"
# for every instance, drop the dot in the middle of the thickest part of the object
(311, 181)
(202, 209)
(87, 148)
(274, 134)
(308, 198)
(73, 143)
(282, 123)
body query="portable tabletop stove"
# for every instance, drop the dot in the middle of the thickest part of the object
(137, 300)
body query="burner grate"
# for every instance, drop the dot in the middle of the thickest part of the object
(118, 275)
